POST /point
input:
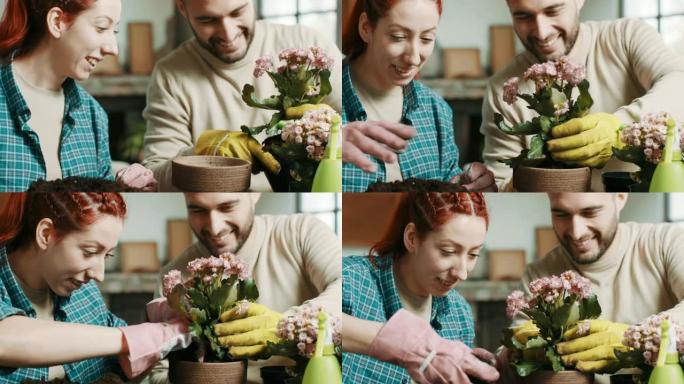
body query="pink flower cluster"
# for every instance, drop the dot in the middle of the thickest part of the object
(223, 267)
(170, 281)
(645, 337)
(549, 290)
(561, 70)
(649, 135)
(510, 90)
(313, 130)
(300, 325)
(313, 58)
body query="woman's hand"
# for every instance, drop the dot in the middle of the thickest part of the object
(137, 176)
(476, 177)
(379, 139)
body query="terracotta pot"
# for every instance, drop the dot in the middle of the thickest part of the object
(532, 179)
(210, 174)
(562, 377)
(189, 372)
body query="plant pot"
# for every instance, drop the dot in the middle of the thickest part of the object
(285, 181)
(278, 375)
(533, 179)
(562, 377)
(617, 181)
(210, 174)
(189, 372)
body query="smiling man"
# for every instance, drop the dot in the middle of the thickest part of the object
(198, 86)
(630, 70)
(636, 270)
(292, 258)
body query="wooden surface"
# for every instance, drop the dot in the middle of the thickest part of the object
(502, 40)
(139, 257)
(141, 51)
(462, 63)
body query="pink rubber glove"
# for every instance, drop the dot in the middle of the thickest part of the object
(151, 342)
(410, 342)
(137, 176)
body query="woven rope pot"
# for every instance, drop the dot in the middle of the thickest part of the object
(562, 377)
(533, 179)
(210, 174)
(189, 372)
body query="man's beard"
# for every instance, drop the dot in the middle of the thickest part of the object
(604, 244)
(249, 35)
(240, 239)
(569, 44)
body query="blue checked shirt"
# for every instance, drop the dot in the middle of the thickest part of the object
(369, 293)
(432, 154)
(84, 306)
(84, 143)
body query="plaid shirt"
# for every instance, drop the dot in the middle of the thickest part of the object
(369, 293)
(432, 154)
(84, 306)
(84, 145)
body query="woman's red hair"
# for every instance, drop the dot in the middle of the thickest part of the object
(352, 43)
(68, 211)
(428, 211)
(24, 22)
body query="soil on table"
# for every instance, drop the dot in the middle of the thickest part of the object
(418, 185)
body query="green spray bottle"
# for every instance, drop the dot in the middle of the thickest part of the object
(323, 368)
(328, 176)
(667, 369)
(669, 174)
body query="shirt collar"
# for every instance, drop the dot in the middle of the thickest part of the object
(16, 294)
(388, 291)
(352, 104)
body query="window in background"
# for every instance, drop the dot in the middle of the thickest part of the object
(318, 14)
(325, 206)
(665, 15)
(675, 207)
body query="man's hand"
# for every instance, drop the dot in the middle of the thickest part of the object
(378, 139)
(592, 350)
(137, 176)
(476, 177)
(586, 141)
(247, 332)
(236, 144)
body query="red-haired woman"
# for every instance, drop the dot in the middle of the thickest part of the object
(403, 319)
(395, 127)
(53, 320)
(49, 126)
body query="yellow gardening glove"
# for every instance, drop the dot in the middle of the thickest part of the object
(298, 112)
(586, 141)
(246, 333)
(594, 352)
(525, 331)
(236, 144)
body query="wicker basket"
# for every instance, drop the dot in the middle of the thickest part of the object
(532, 179)
(188, 372)
(210, 174)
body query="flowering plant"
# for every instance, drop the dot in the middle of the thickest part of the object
(643, 341)
(298, 330)
(300, 127)
(552, 99)
(557, 303)
(644, 143)
(216, 284)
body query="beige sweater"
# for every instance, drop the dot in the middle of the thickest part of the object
(192, 91)
(294, 258)
(630, 70)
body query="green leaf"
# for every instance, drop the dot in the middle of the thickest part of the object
(630, 155)
(536, 148)
(197, 298)
(326, 87)
(554, 358)
(196, 329)
(560, 316)
(590, 308)
(508, 341)
(178, 301)
(528, 128)
(540, 319)
(249, 97)
(213, 342)
(536, 342)
(198, 315)
(584, 100)
(247, 290)
(219, 297)
(631, 358)
(545, 125)
(526, 368)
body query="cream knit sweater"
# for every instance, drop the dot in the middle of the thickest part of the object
(192, 91)
(630, 70)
